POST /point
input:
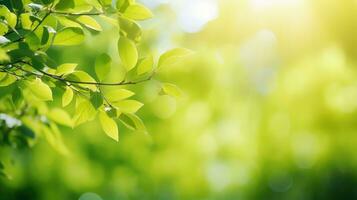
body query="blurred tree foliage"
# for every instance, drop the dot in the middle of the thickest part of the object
(37, 93)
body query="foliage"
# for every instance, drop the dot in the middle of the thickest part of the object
(37, 94)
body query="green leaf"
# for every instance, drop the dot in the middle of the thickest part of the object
(26, 21)
(60, 116)
(132, 122)
(67, 22)
(7, 80)
(145, 65)
(66, 68)
(128, 106)
(96, 99)
(11, 19)
(3, 28)
(173, 56)
(67, 96)
(40, 90)
(89, 22)
(84, 111)
(69, 36)
(118, 95)
(129, 29)
(109, 20)
(128, 53)
(102, 66)
(3, 55)
(138, 12)
(109, 126)
(84, 77)
(171, 90)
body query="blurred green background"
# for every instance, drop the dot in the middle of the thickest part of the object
(269, 111)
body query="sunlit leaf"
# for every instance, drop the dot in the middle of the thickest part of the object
(102, 66)
(109, 126)
(173, 56)
(60, 116)
(66, 68)
(40, 90)
(128, 106)
(171, 90)
(89, 22)
(145, 65)
(96, 99)
(128, 53)
(132, 122)
(67, 96)
(82, 76)
(137, 12)
(69, 36)
(118, 95)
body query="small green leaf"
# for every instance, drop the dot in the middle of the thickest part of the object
(60, 116)
(89, 22)
(7, 80)
(128, 106)
(145, 65)
(171, 90)
(118, 95)
(11, 19)
(26, 21)
(173, 56)
(109, 20)
(3, 55)
(138, 12)
(40, 90)
(102, 66)
(84, 111)
(67, 97)
(109, 126)
(69, 36)
(129, 29)
(132, 122)
(128, 53)
(67, 22)
(66, 68)
(96, 99)
(85, 77)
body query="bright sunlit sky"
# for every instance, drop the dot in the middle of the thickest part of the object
(193, 15)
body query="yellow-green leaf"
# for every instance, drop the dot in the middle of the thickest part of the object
(109, 126)
(66, 68)
(89, 22)
(84, 111)
(40, 90)
(85, 77)
(171, 90)
(128, 53)
(67, 22)
(67, 96)
(145, 65)
(8, 79)
(118, 95)
(102, 66)
(173, 56)
(128, 106)
(60, 116)
(26, 21)
(69, 36)
(132, 122)
(138, 12)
